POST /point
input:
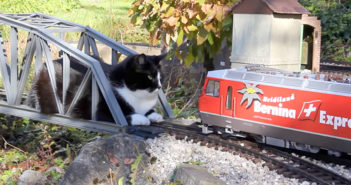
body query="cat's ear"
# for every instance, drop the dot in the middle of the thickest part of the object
(140, 59)
(158, 58)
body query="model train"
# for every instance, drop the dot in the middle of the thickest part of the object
(283, 109)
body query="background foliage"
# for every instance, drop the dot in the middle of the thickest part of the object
(204, 24)
(335, 16)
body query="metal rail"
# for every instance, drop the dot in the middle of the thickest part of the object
(40, 29)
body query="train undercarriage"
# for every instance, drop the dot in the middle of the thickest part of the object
(229, 132)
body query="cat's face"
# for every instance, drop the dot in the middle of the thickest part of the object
(144, 73)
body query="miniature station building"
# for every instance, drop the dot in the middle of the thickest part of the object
(275, 33)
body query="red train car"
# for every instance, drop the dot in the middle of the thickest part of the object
(292, 112)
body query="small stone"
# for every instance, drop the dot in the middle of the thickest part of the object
(193, 175)
(31, 177)
(55, 168)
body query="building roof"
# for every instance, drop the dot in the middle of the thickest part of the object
(286, 6)
(269, 7)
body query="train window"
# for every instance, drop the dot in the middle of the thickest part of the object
(228, 103)
(212, 88)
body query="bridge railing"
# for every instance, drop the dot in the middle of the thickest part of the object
(39, 49)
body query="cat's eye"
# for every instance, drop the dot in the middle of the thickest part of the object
(149, 77)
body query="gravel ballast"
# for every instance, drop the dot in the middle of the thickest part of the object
(232, 169)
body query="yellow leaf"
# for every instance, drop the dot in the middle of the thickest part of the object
(201, 2)
(168, 38)
(186, 30)
(169, 12)
(192, 28)
(210, 16)
(184, 20)
(164, 7)
(192, 13)
(209, 27)
(206, 8)
(136, 3)
(172, 21)
(219, 13)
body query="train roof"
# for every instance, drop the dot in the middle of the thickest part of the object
(276, 77)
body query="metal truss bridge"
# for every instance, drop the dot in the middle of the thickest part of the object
(21, 58)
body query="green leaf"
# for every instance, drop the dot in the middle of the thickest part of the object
(180, 37)
(25, 120)
(227, 21)
(189, 58)
(136, 162)
(134, 169)
(120, 180)
(201, 36)
(210, 38)
(200, 54)
(201, 2)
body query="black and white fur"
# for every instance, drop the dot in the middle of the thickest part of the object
(136, 82)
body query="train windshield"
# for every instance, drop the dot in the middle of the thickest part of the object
(212, 88)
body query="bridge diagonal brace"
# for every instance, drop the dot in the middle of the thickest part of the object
(14, 64)
(93, 46)
(26, 63)
(5, 69)
(80, 42)
(51, 70)
(94, 98)
(38, 55)
(65, 77)
(86, 45)
(79, 92)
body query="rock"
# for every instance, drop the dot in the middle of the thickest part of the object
(31, 177)
(106, 160)
(195, 175)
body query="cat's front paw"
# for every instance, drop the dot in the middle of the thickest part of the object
(155, 117)
(138, 119)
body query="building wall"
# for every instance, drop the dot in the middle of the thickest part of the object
(316, 24)
(272, 40)
(286, 42)
(251, 39)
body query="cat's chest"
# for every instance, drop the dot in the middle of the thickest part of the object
(140, 100)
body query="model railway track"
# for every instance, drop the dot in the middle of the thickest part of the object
(335, 66)
(284, 163)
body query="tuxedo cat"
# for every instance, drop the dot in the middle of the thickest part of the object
(135, 81)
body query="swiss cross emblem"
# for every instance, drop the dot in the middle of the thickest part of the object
(309, 110)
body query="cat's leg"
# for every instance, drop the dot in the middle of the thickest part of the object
(154, 116)
(138, 119)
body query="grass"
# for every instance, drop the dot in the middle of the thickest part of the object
(107, 16)
(25, 145)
